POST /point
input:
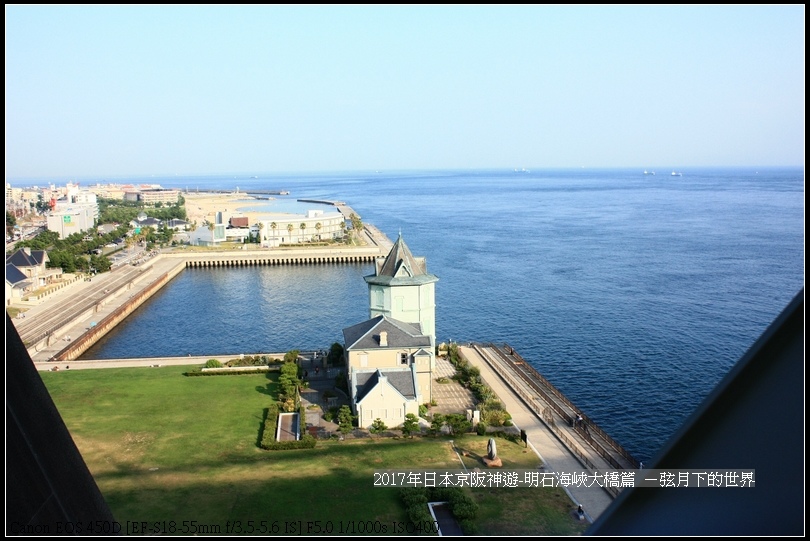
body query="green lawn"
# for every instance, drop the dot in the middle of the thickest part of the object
(165, 447)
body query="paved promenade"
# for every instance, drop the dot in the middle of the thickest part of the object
(555, 456)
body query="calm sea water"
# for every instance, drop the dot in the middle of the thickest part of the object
(634, 294)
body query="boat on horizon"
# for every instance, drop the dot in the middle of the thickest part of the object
(649, 172)
(676, 174)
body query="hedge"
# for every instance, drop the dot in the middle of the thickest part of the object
(269, 442)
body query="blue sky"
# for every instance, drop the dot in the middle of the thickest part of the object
(130, 90)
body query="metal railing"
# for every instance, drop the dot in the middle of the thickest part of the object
(590, 423)
(542, 411)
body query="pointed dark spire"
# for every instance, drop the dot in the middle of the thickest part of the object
(401, 267)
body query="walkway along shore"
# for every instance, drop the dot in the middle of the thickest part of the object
(56, 337)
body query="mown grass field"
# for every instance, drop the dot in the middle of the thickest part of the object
(163, 447)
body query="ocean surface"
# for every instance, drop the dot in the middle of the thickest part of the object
(634, 294)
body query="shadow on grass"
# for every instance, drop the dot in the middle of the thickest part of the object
(299, 505)
(270, 389)
(262, 422)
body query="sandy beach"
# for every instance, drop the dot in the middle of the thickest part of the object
(202, 207)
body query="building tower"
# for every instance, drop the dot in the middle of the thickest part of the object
(402, 289)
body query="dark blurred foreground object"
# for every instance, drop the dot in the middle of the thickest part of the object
(49, 489)
(753, 419)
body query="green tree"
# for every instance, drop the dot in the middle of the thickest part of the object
(357, 223)
(290, 228)
(303, 228)
(378, 426)
(288, 383)
(436, 424)
(11, 221)
(100, 263)
(345, 419)
(318, 227)
(410, 425)
(335, 356)
(458, 423)
(166, 233)
(42, 205)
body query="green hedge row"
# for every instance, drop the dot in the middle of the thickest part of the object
(199, 372)
(268, 441)
(463, 507)
(306, 442)
(270, 423)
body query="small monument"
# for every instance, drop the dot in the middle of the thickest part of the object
(492, 460)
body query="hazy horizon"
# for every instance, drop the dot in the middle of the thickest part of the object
(134, 91)
(248, 175)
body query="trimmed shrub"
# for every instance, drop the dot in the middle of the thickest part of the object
(270, 423)
(378, 426)
(468, 527)
(306, 442)
(268, 441)
(414, 496)
(198, 372)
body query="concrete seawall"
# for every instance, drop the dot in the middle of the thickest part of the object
(88, 311)
(105, 325)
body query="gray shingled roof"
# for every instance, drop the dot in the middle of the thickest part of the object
(401, 380)
(15, 276)
(22, 259)
(366, 335)
(400, 267)
(147, 222)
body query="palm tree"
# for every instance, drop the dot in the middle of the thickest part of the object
(289, 230)
(303, 227)
(261, 227)
(318, 229)
(273, 226)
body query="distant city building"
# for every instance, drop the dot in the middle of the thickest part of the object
(109, 191)
(177, 224)
(105, 229)
(67, 219)
(142, 220)
(287, 228)
(238, 221)
(13, 194)
(150, 196)
(207, 235)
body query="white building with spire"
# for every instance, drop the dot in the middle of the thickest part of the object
(391, 357)
(402, 288)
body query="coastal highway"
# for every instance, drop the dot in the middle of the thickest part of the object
(50, 318)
